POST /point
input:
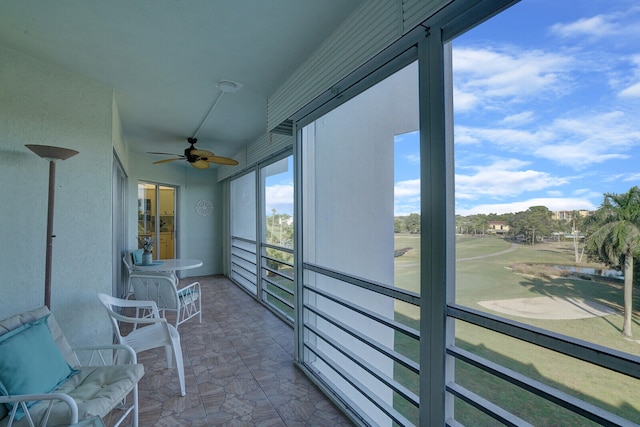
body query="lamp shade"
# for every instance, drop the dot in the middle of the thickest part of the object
(51, 153)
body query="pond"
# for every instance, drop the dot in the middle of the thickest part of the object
(616, 274)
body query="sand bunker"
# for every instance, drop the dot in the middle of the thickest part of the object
(548, 308)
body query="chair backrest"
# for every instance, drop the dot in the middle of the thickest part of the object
(128, 261)
(18, 320)
(116, 309)
(159, 288)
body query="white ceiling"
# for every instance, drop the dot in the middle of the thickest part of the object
(163, 58)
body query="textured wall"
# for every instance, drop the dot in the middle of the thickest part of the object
(41, 104)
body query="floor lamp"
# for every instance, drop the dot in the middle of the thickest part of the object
(53, 154)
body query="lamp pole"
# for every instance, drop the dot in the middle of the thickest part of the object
(53, 154)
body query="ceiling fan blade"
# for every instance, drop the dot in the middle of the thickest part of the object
(222, 160)
(200, 164)
(164, 154)
(201, 153)
(166, 160)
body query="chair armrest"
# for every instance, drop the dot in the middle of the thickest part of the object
(22, 399)
(195, 286)
(98, 352)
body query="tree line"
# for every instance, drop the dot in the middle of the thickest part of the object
(611, 234)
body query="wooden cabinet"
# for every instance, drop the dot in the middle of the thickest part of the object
(166, 245)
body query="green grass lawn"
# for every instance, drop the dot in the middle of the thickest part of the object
(490, 278)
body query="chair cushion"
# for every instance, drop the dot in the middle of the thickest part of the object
(137, 256)
(96, 389)
(30, 361)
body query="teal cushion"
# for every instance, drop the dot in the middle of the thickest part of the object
(137, 256)
(31, 362)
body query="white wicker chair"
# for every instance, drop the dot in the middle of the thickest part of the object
(185, 302)
(151, 331)
(127, 260)
(106, 376)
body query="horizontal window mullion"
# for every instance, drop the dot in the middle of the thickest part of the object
(364, 391)
(235, 261)
(491, 409)
(278, 248)
(549, 393)
(390, 291)
(243, 250)
(278, 297)
(279, 286)
(242, 239)
(410, 332)
(264, 267)
(239, 272)
(614, 360)
(380, 376)
(279, 261)
(379, 347)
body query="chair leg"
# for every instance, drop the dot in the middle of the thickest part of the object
(177, 349)
(134, 396)
(167, 352)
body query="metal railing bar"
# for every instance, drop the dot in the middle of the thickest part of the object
(400, 327)
(242, 239)
(276, 296)
(364, 391)
(278, 260)
(494, 411)
(381, 348)
(406, 394)
(615, 360)
(390, 291)
(549, 393)
(279, 248)
(277, 285)
(264, 267)
(236, 264)
(253, 253)
(248, 279)
(241, 276)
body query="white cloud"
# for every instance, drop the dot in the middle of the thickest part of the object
(632, 91)
(407, 188)
(503, 178)
(596, 26)
(413, 159)
(484, 74)
(621, 23)
(280, 198)
(519, 119)
(576, 142)
(407, 197)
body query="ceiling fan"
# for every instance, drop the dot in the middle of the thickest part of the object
(200, 159)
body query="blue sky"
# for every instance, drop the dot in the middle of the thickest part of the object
(547, 103)
(546, 111)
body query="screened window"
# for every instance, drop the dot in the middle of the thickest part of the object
(361, 248)
(545, 124)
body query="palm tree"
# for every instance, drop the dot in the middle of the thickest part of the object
(617, 240)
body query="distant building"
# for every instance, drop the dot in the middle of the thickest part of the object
(568, 215)
(498, 227)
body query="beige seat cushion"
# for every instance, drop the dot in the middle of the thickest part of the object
(96, 389)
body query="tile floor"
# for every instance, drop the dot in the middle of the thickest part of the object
(239, 370)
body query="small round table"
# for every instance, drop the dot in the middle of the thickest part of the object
(169, 265)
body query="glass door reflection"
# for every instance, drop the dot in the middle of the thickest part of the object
(156, 217)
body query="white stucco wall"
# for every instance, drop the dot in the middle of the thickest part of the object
(42, 104)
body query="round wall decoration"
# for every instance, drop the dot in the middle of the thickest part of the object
(204, 207)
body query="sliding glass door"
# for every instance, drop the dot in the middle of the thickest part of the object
(157, 217)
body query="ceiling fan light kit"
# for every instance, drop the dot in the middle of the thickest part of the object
(227, 86)
(200, 159)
